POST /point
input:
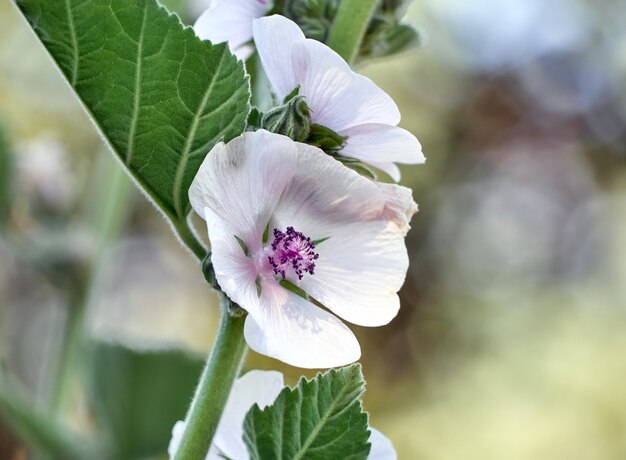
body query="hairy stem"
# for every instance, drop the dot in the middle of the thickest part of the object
(189, 239)
(349, 27)
(220, 372)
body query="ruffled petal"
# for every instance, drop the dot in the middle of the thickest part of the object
(338, 97)
(376, 143)
(255, 387)
(297, 332)
(399, 205)
(231, 21)
(240, 182)
(382, 449)
(274, 37)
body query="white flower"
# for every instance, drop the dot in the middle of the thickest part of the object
(340, 99)
(262, 388)
(231, 21)
(329, 231)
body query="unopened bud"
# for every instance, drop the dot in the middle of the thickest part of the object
(292, 119)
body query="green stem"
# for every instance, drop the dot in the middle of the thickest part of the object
(220, 372)
(69, 354)
(349, 27)
(189, 239)
(106, 211)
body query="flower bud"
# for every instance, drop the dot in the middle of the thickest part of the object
(315, 17)
(292, 119)
(385, 35)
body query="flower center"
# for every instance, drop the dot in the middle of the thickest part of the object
(294, 251)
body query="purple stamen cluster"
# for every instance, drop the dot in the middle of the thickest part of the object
(292, 250)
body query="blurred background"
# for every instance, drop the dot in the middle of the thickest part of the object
(511, 341)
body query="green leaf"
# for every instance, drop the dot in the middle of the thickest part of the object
(160, 96)
(319, 419)
(137, 396)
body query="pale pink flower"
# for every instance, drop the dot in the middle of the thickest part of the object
(282, 212)
(231, 21)
(340, 99)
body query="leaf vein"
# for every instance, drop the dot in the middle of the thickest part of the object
(137, 95)
(70, 22)
(180, 170)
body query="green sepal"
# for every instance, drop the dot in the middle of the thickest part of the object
(255, 119)
(358, 166)
(295, 92)
(325, 138)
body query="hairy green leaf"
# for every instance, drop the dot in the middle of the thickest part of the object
(160, 96)
(319, 419)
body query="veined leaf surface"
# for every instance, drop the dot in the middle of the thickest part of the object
(319, 419)
(160, 96)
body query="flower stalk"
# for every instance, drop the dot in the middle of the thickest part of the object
(220, 372)
(188, 238)
(350, 26)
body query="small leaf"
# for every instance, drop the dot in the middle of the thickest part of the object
(319, 419)
(160, 96)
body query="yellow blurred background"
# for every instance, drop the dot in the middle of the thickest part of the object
(511, 340)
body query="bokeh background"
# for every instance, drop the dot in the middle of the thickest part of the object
(511, 341)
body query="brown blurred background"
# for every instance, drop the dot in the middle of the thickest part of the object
(511, 341)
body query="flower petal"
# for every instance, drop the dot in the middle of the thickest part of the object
(382, 449)
(399, 207)
(255, 387)
(360, 269)
(274, 36)
(363, 262)
(373, 143)
(235, 272)
(241, 182)
(324, 195)
(390, 169)
(298, 333)
(230, 21)
(338, 97)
